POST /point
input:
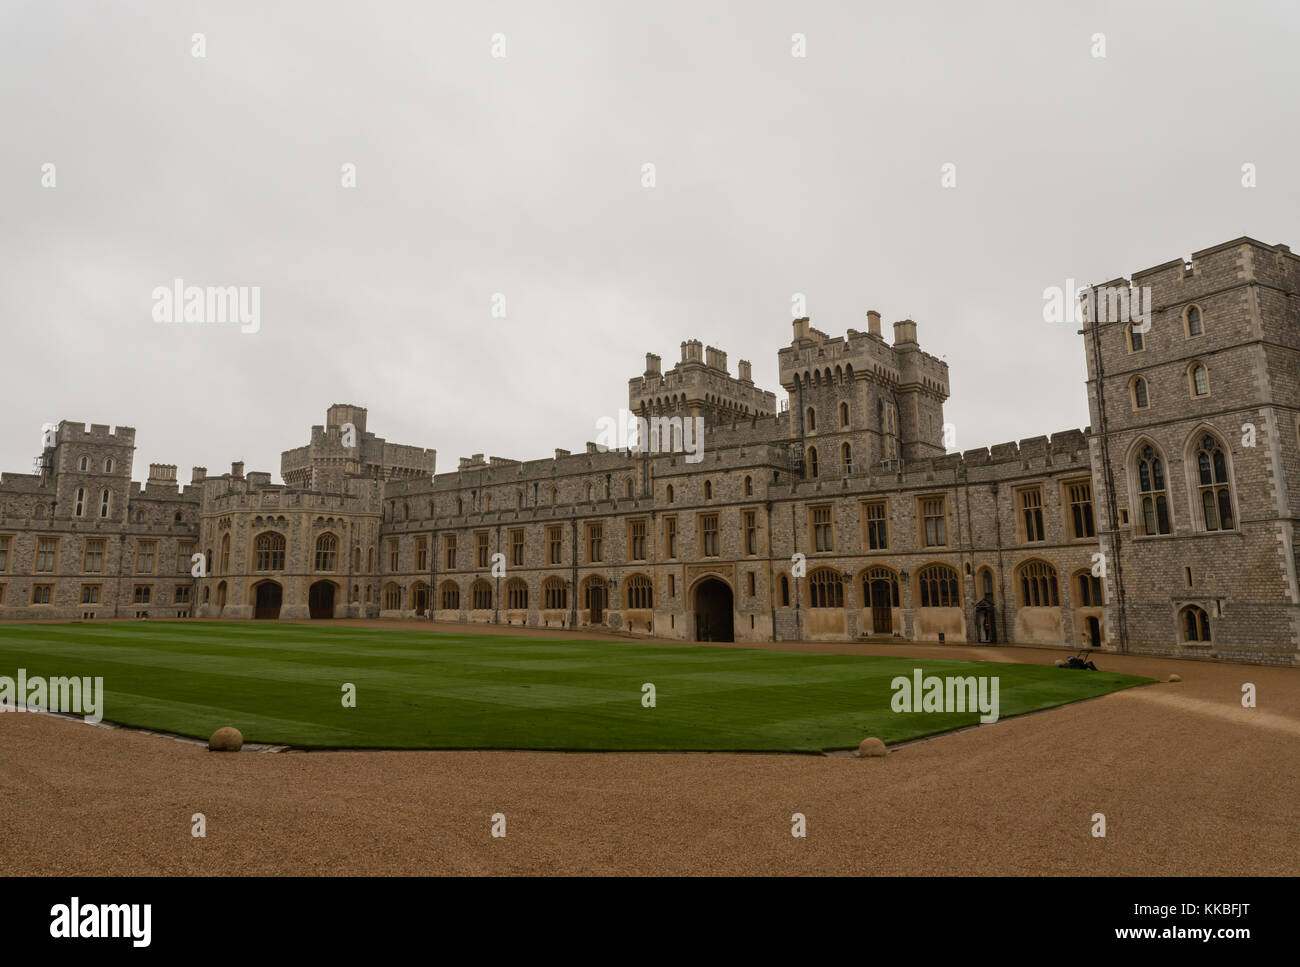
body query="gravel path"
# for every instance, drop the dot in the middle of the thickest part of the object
(1189, 782)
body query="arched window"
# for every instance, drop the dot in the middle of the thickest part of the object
(1199, 379)
(1038, 587)
(517, 594)
(812, 420)
(669, 493)
(480, 595)
(785, 591)
(392, 597)
(812, 461)
(108, 465)
(460, 506)
(1213, 485)
(938, 586)
(846, 454)
(1151, 491)
(749, 486)
(825, 589)
(270, 552)
(225, 553)
(81, 501)
(874, 576)
(1139, 393)
(986, 582)
(627, 487)
(554, 494)
(588, 492)
(844, 414)
(450, 594)
(555, 596)
(103, 504)
(327, 546)
(1088, 590)
(356, 559)
(640, 593)
(1192, 316)
(85, 462)
(1195, 623)
(708, 490)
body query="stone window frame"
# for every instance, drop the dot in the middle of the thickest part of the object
(1187, 320)
(1068, 503)
(708, 526)
(595, 541)
(1132, 464)
(821, 531)
(1200, 615)
(1193, 368)
(1195, 488)
(1023, 510)
(1133, 393)
(101, 549)
(53, 552)
(1038, 584)
(638, 532)
(922, 518)
(864, 515)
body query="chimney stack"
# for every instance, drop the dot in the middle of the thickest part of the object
(904, 332)
(873, 323)
(237, 469)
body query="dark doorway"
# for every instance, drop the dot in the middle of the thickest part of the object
(986, 621)
(596, 602)
(882, 620)
(320, 599)
(269, 597)
(420, 598)
(1094, 633)
(714, 612)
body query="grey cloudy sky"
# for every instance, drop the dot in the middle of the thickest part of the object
(522, 175)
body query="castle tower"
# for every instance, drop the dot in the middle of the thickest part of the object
(857, 403)
(1195, 445)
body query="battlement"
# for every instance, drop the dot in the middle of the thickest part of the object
(700, 385)
(68, 432)
(1180, 280)
(812, 356)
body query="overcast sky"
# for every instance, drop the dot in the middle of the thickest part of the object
(523, 175)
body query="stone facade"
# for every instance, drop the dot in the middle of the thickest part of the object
(837, 515)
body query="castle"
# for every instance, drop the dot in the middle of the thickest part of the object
(1166, 527)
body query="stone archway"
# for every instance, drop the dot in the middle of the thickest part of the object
(714, 611)
(320, 599)
(268, 597)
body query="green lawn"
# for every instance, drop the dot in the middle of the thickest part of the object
(283, 684)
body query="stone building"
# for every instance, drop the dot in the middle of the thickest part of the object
(1166, 527)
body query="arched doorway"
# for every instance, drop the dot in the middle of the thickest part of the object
(597, 600)
(320, 599)
(268, 598)
(714, 611)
